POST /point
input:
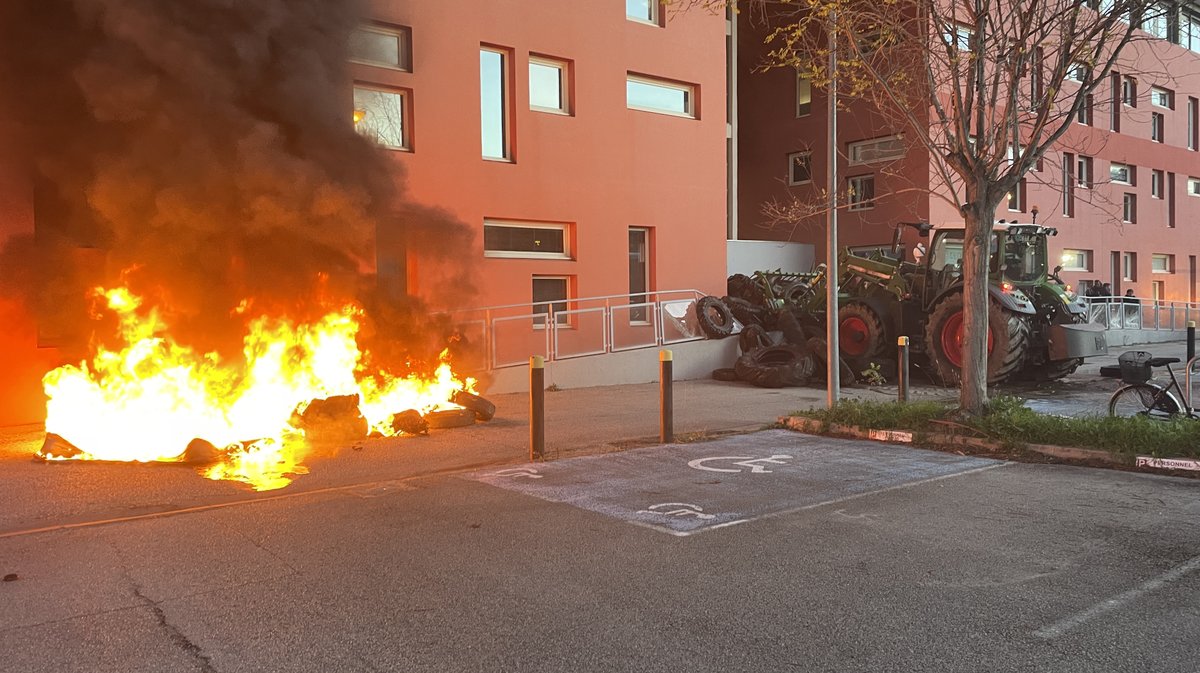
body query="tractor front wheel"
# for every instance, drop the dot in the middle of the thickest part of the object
(1007, 343)
(862, 337)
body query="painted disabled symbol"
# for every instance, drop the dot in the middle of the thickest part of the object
(515, 472)
(682, 509)
(755, 464)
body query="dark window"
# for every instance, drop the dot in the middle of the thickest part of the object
(550, 292)
(506, 240)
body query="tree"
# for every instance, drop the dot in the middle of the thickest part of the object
(986, 87)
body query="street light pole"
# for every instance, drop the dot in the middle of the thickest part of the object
(832, 353)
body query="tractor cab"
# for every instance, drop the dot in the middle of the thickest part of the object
(1018, 255)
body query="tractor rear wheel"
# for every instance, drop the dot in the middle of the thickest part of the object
(862, 337)
(1007, 343)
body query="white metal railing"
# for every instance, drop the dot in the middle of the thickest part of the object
(579, 327)
(1141, 313)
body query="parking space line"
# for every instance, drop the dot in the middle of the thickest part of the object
(1116, 602)
(815, 505)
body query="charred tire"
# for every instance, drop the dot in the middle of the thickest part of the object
(1008, 341)
(1056, 369)
(714, 317)
(753, 338)
(725, 374)
(450, 418)
(775, 367)
(746, 312)
(820, 351)
(862, 337)
(484, 410)
(743, 287)
(793, 332)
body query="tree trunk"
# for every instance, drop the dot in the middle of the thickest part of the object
(976, 257)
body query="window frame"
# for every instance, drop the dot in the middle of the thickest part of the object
(645, 311)
(404, 39)
(1129, 208)
(1085, 174)
(655, 18)
(1193, 186)
(1169, 95)
(1158, 127)
(854, 148)
(1129, 93)
(1168, 261)
(506, 97)
(791, 173)
(867, 204)
(690, 91)
(1129, 266)
(560, 322)
(405, 114)
(568, 253)
(803, 107)
(1157, 181)
(564, 84)
(1085, 255)
(1128, 180)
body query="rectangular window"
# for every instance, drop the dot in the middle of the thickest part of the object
(1121, 174)
(656, 95)
(382, 46)
(1193, 124)
(799, 168)
(958, 36)
(1129, 266)
(1129, 91)
(548, 85)
(1068, 183)
(1157, 126)
(379, 114)
(493, 103)
(1083, 172)
(1016, 198)
(551, 293)
(1170, 199)
(1036, 86)
(1160, 290)
(861, 192)
(1077, 260)
(645, 11)
(888, 148)
(1164, 98)
(1085, 111)
(639, 274)
(1156, 184)
(1155, 21)
(1129, 208)
(1193, 186)
(1160, 263)
(1114, 119)
(539, 240)
(803, 96)
(1077, 72)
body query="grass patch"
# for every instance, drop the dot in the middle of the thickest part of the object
(1009, 422)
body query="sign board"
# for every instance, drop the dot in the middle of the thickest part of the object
(1169, 463)
(890, 436)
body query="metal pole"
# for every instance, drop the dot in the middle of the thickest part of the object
(1191, 340)
(902, 368)
(537, 408)
(832, 354)
(666, 396)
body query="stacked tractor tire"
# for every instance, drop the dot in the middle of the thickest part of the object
(780, 345)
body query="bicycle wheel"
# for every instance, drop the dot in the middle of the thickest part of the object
(1146, 400)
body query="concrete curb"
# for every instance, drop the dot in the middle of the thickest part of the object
(812, 426)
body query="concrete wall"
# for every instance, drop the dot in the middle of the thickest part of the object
(750, 256)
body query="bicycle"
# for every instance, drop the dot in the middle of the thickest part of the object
(1139, 396)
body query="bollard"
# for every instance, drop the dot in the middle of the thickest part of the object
(537, 408)
(1191, 344)
(666, 396)
(902, 368)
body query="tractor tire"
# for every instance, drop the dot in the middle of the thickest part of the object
(746, 312)
(775, 367)
(753, 338)
(714, 317)
(1056, 369)
(1008, 341)
(862, 337)
(743, 287)
(819, 348)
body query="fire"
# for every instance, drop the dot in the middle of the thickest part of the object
(147, 400)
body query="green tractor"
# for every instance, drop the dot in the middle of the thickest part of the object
(1037, 326)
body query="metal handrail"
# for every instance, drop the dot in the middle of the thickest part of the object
(1130, 312)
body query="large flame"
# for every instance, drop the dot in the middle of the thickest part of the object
(146, 401)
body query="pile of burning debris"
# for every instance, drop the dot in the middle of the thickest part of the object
(780, 334)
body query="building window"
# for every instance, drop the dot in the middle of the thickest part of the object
(540, 240)
(379, 114)
(1068, 183)
(1160, 290)
(639, 274)
(889, 148)
(1164, 98)
(1193, 186)
(551, 292)
(1121, 174)
(644, 11)
(1129, 266)
(799, 168)
(1162, 263)
(493, 94)
(1156, 184)
(548, 85)
(1085, 111)
(1077, 72)
(1129, 91)
(1189, 30)
(656, 95)
(958, 36)
(1077, 260)
(1129, 208)
(803, 96)
(1157, 126)
(382, 46)
(1193, 124)
(1155, 21)
(1083, 172)
(861, 192)
(1016, 198)
(1036, 86)
(1114, 117)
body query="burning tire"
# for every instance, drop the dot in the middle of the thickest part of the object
(450, 418)
(484, 409)
(862, 337)
(775, 367)
(1007, 344)
(714, 317)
